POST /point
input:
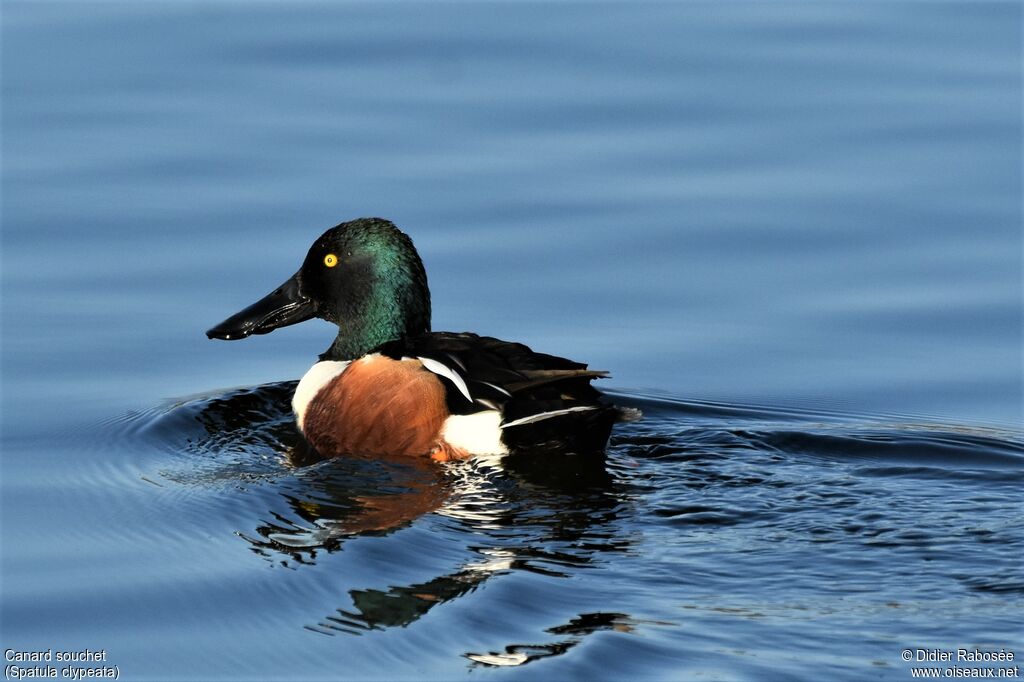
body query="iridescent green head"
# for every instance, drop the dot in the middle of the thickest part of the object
(364, 276)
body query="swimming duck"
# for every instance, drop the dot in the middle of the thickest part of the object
(388, 385)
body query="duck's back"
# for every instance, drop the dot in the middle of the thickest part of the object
(545, 401)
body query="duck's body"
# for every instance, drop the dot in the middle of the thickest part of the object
(388, 385)
(451, 396)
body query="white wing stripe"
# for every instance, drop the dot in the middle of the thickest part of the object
(547, 415)
(496, 388)
(447, 372)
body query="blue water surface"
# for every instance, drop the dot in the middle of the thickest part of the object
(792, 231)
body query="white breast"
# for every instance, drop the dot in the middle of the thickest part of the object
(311, 383)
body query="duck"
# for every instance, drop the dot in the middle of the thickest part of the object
(390, 386)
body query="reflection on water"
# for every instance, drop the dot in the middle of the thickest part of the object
(574, 631)
(399, 606)
(249, 435)
(697, 502)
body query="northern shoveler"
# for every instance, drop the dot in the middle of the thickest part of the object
(388, 385)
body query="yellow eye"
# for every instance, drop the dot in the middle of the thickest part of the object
(330, 260)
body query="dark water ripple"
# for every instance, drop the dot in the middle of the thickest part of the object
(707, 525)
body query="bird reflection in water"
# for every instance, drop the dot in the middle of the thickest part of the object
(543, 513)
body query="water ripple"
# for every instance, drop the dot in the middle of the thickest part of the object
(696, 500)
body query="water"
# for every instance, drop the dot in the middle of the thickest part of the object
(792, 232)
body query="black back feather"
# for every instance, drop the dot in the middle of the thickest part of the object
(520, 383)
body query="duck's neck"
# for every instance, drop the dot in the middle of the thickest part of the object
(350, 344)
(393, 310)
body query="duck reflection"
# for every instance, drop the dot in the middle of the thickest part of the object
(543, 512)
(334, 500)
(573, 633)
(514, 523)
(402, 605)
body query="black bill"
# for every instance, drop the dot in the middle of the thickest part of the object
(283, 306)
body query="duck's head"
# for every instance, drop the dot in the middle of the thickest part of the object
(364, 276)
